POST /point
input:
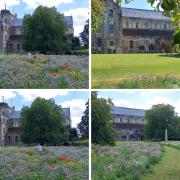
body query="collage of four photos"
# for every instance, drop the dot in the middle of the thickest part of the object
(90, 89)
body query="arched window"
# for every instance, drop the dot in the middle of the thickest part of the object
(127, 24)
(131, 44)
(137, 25)
(151, 47)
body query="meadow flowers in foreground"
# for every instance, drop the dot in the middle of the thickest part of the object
(126, 160)
(53, 71)
(61, 162)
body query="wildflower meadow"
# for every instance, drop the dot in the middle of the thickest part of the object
(41, 71)
(53, 163)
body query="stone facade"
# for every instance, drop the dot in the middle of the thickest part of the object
(11, 31)
(129, 123)
(10, 124)
(127, 30)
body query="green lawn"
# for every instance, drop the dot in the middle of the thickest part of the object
(168, 168)
(109, 71)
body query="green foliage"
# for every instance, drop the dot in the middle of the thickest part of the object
(83, 126)
(97, 14)
(44, 31)
(73, 134)
(81, 143)
(43, 122)
(75, 43)
(176, 37)
(159, 118)
(101, 119)
(84, 36)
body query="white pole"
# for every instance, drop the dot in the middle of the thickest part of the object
(166, 135)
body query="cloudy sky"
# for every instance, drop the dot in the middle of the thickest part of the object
(143, 99)
(74, 99)
(77, 8)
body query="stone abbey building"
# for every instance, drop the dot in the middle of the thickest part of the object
(10, 124)
(127, 30)
(11, 31)
(129, 123)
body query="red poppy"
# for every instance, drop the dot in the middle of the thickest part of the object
(52, 74)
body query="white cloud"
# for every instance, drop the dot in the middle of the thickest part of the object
(7, 94)
(80, 16)
(8, 3)
(77, 107)
(123, 103)
(30, 95)
(32, 4)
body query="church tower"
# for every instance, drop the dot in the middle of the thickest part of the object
(109, 39)
(6, 19)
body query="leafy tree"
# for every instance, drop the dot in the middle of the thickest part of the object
(44, 30)
(43, 122)
(97, 9)
(84, 36)
(102, 128)
(73, 134)
(75, 43)
(159, 118)
(83, 126)
(176, 37)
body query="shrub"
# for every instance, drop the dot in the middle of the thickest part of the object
(81, 143)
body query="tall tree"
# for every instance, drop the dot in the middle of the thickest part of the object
(101, 118)
(84, 36)
(43, 122)
(44, 30)
(83, 126)
(159, 118)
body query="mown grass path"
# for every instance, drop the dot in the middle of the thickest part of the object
(168, 168)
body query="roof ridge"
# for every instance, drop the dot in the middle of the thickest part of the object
(128, 108)
(142, 9)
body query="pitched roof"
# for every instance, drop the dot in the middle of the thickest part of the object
(17, 22)
(128, 111)
(15, 115)
(66, 112)
(142, 13)
(68, 20)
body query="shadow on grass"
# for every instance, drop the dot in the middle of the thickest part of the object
(170, 55)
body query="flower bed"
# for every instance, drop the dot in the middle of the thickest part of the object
(53, 71)
(54, 163)
(126, 160)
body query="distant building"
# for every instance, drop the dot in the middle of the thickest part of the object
(11, 31)
(129, 123)
(10, 124)
(128, 30)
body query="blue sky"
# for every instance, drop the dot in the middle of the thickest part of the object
(74, 99)
(143, 99)
(139, 4)
(77, 8)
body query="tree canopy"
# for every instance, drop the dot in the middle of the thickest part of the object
(159, 118)
(44, 30)
(84, 35)
(43, 122)
(83, 126)
(101, 119)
